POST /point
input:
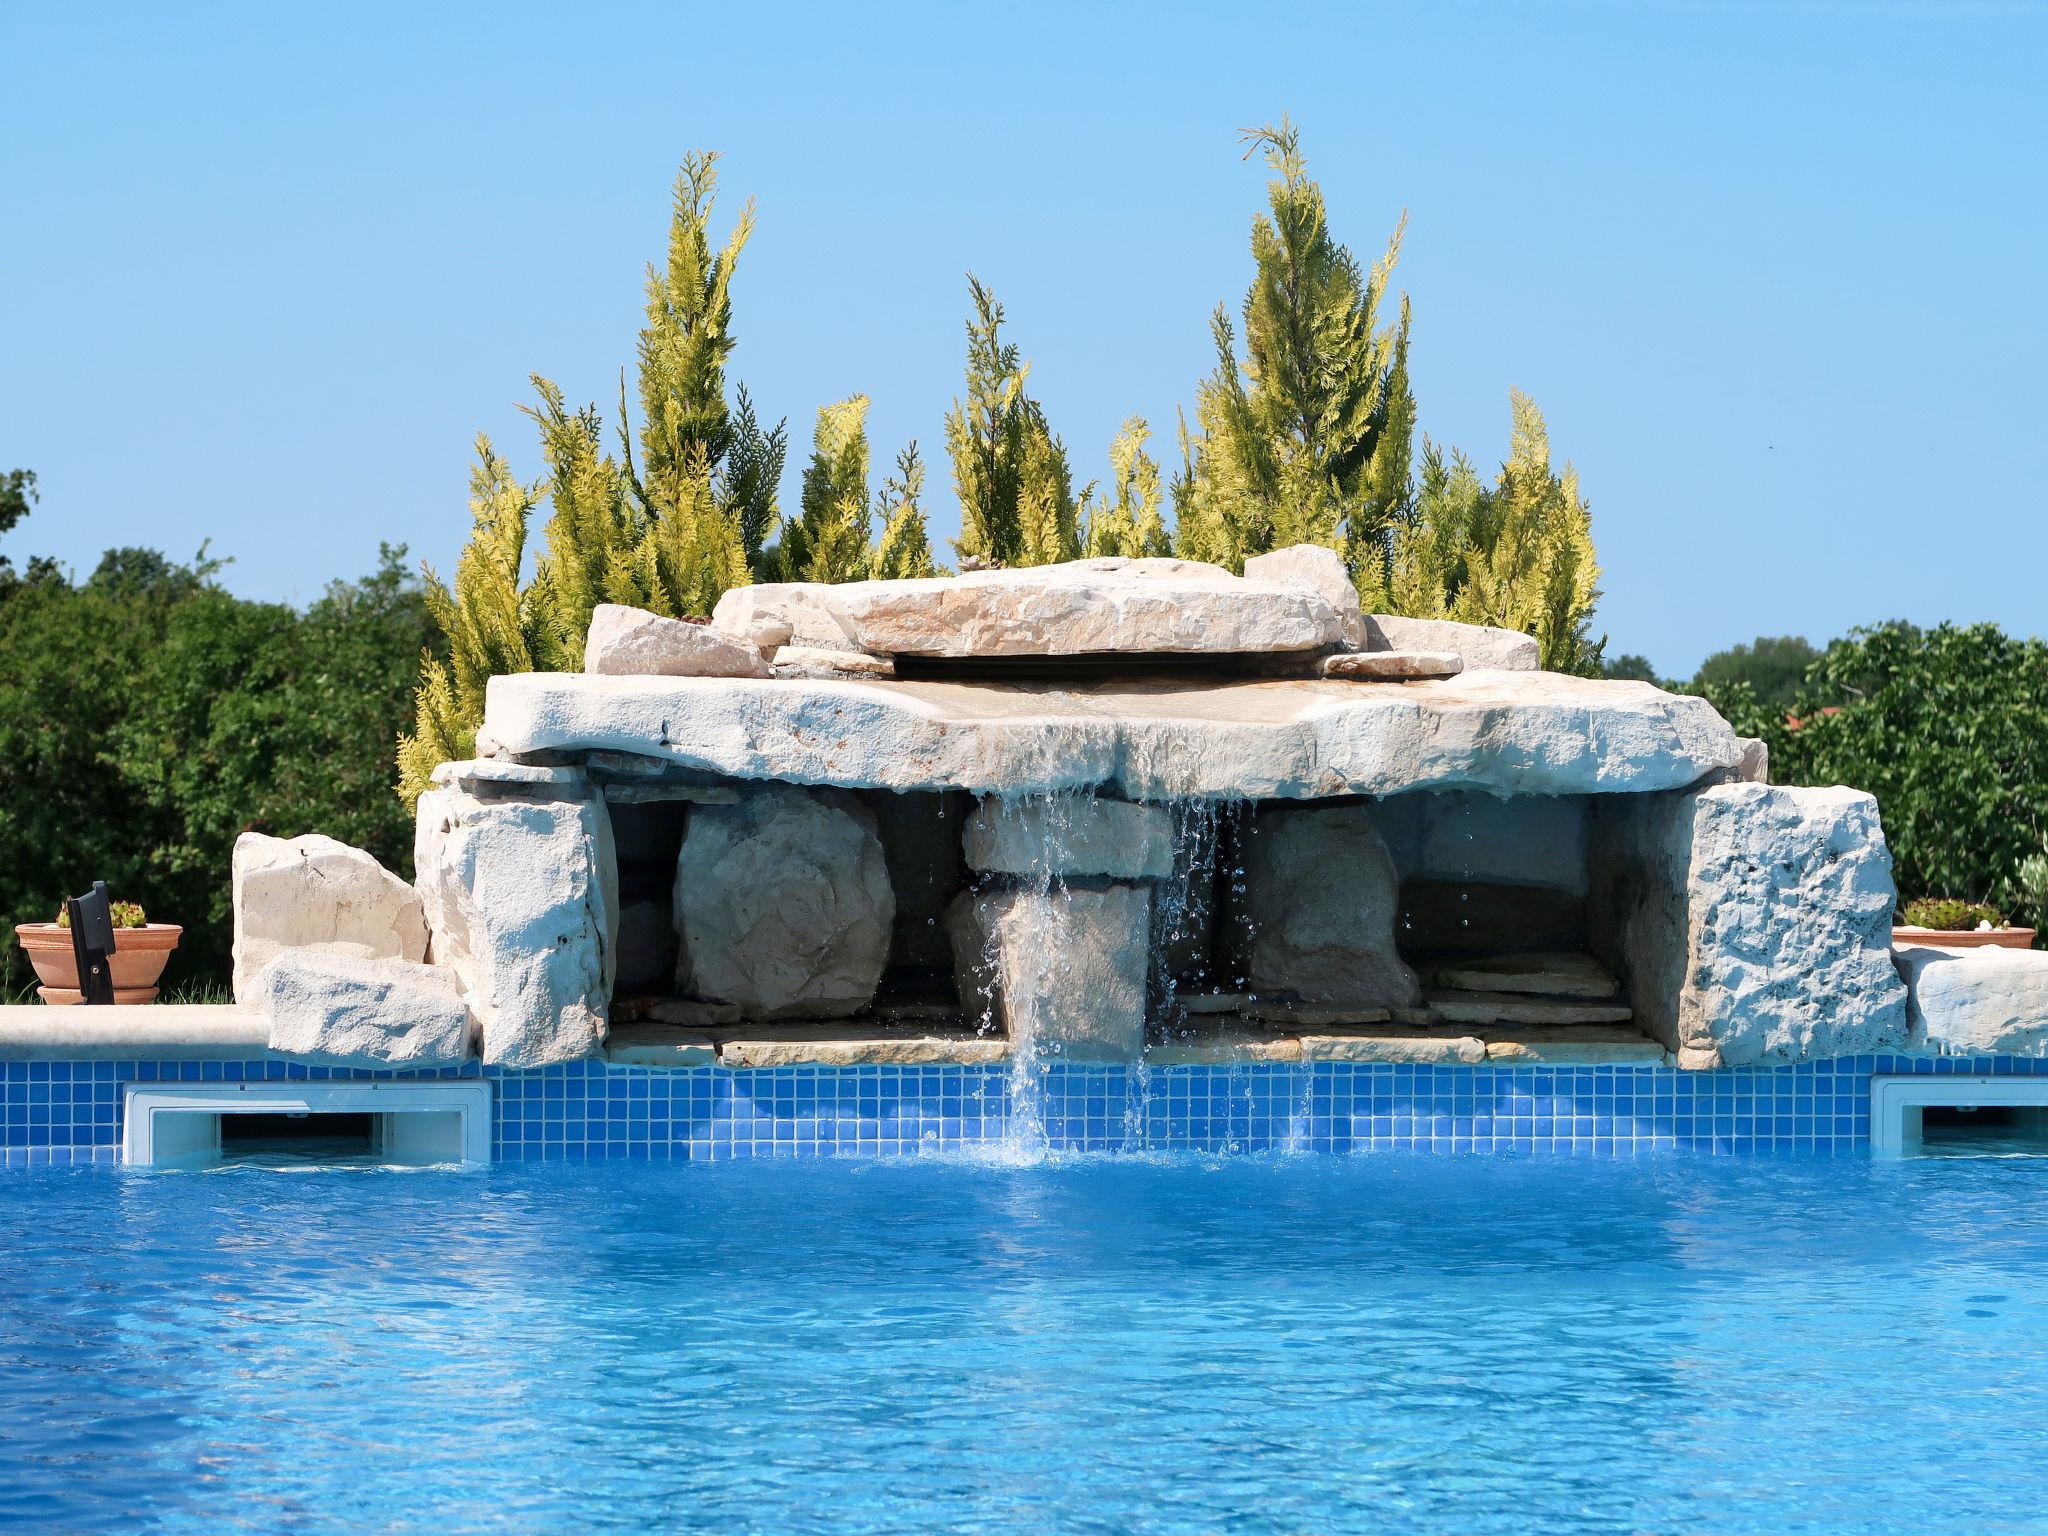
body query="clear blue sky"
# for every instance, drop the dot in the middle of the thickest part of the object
(1774, 272)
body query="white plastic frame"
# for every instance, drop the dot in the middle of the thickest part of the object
(1895, 1102)
(168, 1123)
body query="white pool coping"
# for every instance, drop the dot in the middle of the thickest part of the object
(145, 1032)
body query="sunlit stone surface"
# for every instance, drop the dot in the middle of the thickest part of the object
(1146, 739)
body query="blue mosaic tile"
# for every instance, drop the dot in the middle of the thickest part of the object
(54, 1113)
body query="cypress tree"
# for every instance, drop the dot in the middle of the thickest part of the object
(905, 549)
(1009, 470)
(828, 541)
(671, 533)
(1518, 553)
(1126, 521)
(1307, 440)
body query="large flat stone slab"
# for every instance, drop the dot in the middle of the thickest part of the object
(1084, 608)
(1509, 1008)
(1148, 739)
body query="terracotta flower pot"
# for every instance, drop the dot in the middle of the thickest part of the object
(1966, 938)
(140, 955)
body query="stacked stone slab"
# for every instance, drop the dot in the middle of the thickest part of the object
(1055, 948)
(342, 1011)
(1752, 924)
(516, 870)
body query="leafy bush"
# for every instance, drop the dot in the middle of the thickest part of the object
(1948, 727)
(148, 717)
(1950, 915)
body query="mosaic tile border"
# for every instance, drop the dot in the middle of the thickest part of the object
(57, 1113)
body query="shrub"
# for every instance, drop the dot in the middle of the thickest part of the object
(126, 914)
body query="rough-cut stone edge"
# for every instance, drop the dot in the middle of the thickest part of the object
(631, 642)
(1547, 1011)
(1391, 666)
(1500, 732)
(1531, 975)
(1568, 1045)
(1483, 646)
(835, 1045)
(1083, 836)
(1423, 1047)
(809, 661)
(659, 1045)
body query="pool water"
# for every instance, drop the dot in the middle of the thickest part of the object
(1246, 1345)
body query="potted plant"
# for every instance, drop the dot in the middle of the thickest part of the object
(141, 949)
(1952, 924)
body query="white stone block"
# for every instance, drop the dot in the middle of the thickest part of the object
(1063, 971)
(313, 892)
(1077, 835)
(1988, 1001)
(631, 642)
(1321, 570)
(341, 1011)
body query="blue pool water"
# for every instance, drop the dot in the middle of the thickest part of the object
(1314, 1345)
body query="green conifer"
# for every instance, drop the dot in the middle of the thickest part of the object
(1127, 521)
(1307, 441)
(828, 541)
(1518, 553)
(671, 533)
(905, 549)
(1010, 471)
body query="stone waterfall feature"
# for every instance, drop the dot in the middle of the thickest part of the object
(1091, 812)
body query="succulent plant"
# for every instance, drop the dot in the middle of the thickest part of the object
(1950, 915)
(126, 914)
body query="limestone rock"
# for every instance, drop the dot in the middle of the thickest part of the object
(691, 1013)
(1392, 666)
(1070, 835)
(1506, 732)
(1458, 1007)
(1321, 894)
(1480, 645)
(342, 1011)
(801, 661)
(784, 904)
(854, 1045)
(659, 1045)
(1085, 607)
(1429, 1047)
(1308, 1016)
(1554, 975)
(1587, 1046)
(1988, 1001)
(315, 893)
(1061, 971)
(1223, 1048)
(1750, 922)
(631, 642)
(768, 615)
(519, 884)
(1322, 571)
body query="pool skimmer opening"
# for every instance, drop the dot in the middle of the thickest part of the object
(199, 1125)
(1959, 1116)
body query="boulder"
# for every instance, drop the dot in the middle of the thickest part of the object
(1751, 924)
(1480, 645)
(1070, 835)
(344, 1011)
(315, 893)
(1085, 607)
(1320, 894)
(783, 904)
(1986, 1001)
(1062, 971)
(631, 642)
(1322, 571)
(519, 882)
(1392, 666)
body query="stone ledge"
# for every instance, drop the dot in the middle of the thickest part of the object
(152, 1032)
(1145, 738)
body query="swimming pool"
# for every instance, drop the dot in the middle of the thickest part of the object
(1182, 1344)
